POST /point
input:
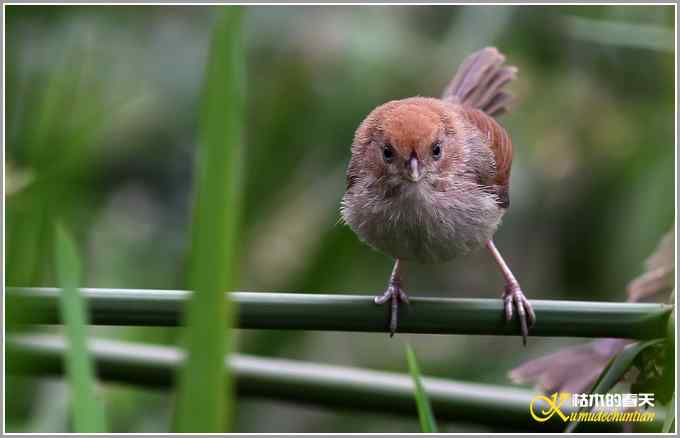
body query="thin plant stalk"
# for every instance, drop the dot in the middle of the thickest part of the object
(499, 407)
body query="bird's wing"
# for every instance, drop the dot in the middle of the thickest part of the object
(500, 144)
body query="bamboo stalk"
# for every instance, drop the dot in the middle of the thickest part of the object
(153, 366)
(288, 311)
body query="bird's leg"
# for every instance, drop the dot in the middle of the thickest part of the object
(513, 296)
(394, 294)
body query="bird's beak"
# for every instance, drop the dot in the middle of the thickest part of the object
(414, 169)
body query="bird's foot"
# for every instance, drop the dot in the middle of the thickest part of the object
(394, 294)
(513, 297)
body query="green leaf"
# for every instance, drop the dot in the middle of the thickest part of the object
(87, 411)
(205, 389)
(669, 421)
(427, 421)
(614, 370)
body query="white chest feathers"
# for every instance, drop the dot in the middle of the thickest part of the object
(417, 222)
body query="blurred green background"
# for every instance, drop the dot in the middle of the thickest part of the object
(101, 120)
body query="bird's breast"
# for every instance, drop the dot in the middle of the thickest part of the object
(416, 222)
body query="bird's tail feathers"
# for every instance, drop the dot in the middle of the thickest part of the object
(479, 82)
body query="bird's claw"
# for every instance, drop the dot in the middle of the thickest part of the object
(513, 297)
(394, 294)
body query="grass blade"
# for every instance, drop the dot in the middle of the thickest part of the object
(204, 401)
(427, 421)
(87, 411)
(613, 372)
(669, 421)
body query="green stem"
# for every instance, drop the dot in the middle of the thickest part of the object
(287, 311)
(152, 366)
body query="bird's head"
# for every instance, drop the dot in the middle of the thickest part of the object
(408, 140)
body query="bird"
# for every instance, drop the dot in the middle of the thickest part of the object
(428, 179)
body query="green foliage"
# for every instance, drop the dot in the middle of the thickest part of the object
(86, 410)
(615, 370)
(427, 421)
(656, 366)
(656, 372)
(205, 390)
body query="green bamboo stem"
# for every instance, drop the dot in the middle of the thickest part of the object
(288, 311)
(154, 366)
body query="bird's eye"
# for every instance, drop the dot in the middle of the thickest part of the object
(388, 152)
(437, 151)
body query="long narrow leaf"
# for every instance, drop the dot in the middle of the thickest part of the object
(87, 411)
(427, 421)
(613, 372)
(204, 401)
(669, 421)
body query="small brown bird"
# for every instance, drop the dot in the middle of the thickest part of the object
(429, 178)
